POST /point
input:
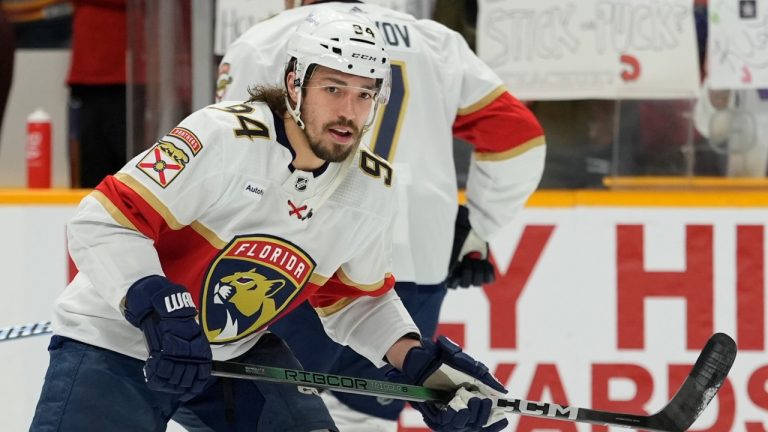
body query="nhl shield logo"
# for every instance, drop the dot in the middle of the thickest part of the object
(249, 284)
(301, 184)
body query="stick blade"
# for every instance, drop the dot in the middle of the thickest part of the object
(701, 386)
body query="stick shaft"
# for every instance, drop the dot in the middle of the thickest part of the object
(699, 388)
(25, 330)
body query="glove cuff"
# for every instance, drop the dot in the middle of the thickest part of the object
(155, 294)
(421, 362)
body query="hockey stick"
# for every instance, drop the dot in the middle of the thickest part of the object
(678, 415)
(24, 330)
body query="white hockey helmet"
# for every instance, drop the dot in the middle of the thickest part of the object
(346, 42)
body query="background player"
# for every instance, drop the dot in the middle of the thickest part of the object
(440, 89)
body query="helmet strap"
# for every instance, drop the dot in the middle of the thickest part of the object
(295, 112)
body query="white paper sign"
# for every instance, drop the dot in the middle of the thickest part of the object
(234, 17)
(737, 50)
(577, 49)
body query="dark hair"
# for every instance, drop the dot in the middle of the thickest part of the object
(274, 97)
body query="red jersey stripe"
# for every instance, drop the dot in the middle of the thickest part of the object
(502, 125)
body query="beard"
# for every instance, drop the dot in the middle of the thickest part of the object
(331, 151)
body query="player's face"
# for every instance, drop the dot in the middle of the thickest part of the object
(335, 108)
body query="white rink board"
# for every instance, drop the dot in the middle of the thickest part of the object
(559, 339)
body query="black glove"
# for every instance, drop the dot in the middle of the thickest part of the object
(443, 365)
(179, 353)
(469, 264)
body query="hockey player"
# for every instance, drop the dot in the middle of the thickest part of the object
(440, 89)
(237, 215)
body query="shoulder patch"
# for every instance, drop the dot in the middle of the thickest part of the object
(187, 137)
(163, 163)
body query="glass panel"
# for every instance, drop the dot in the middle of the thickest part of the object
(159, 69)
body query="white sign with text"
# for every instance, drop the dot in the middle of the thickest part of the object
(605, 49)
(737, 48)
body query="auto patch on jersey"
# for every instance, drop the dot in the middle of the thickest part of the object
(253, 190)
(249, 284)
(163, 163)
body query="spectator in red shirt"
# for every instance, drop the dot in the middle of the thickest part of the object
(97, 80)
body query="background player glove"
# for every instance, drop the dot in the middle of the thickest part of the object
(442, 365)
(469, 264)
(179, 354)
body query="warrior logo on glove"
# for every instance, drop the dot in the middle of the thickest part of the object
(249, 284)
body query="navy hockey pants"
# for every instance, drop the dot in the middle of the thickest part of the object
(92, 389)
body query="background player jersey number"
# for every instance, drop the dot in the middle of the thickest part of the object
(387, 130)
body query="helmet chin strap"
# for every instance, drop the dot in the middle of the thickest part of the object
(295, 112)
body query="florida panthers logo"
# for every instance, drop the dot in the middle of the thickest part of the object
(249, 291)
(249, 284)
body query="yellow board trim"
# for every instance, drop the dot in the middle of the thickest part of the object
(43, 196)
(646, 197)
(699, 182)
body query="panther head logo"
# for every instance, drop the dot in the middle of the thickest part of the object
(249, 291)
(174, 152)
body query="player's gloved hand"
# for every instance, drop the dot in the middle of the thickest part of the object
(469, 265)
(179, 353)
(444, 366)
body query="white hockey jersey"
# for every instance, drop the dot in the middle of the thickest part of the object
(216, 206)
(440, 89)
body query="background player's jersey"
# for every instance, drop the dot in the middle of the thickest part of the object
(215, 205)
(440, 88)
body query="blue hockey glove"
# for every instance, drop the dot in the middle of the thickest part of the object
(179, 354)
(469, 264)
(444, 366)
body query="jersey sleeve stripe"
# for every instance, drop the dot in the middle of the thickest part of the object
(113, 211)
(318, 279)
(336, 294)
(511, 153)
(166, 214)
(483, 102)
(346, 280)
(127, 205)
(332, 308)
(503, 125)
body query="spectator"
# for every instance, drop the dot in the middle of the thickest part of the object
(97, 80)
(40, 23)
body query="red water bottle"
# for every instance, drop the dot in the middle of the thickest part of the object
(38, 149)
